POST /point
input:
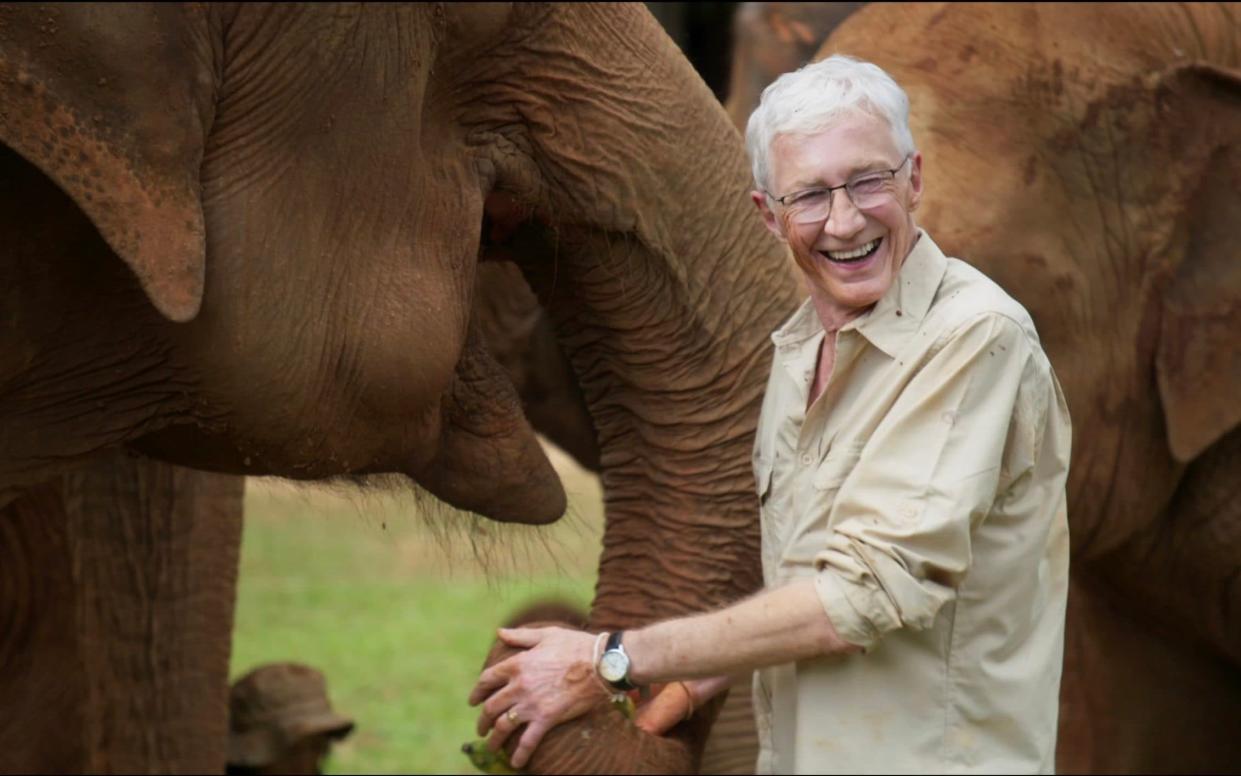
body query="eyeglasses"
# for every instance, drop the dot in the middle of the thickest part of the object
(812, 206)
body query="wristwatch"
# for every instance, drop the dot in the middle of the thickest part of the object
(614, 664)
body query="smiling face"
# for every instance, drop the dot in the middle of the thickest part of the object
(850, 259)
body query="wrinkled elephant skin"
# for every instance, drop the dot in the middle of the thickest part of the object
(370, 380)
(247, 238)
(118, 565)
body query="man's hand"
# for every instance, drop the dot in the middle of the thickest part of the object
(552, 682)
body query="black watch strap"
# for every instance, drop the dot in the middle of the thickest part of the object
(614, 643)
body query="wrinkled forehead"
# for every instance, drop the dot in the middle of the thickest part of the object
(810, 119)
(830, 154)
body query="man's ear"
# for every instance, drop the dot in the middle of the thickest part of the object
(769, 218)
(915, 181)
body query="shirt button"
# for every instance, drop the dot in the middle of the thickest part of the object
(807, 460)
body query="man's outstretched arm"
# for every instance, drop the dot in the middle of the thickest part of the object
(554, 680)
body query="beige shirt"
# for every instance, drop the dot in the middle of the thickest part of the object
(924, 492)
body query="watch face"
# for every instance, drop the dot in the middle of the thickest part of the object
(613, 666)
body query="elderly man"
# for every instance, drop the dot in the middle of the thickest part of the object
(910, 460)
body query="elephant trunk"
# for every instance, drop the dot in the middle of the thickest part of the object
(664, 289)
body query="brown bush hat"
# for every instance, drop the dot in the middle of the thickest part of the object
(274, 706)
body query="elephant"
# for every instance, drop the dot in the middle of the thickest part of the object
(549, 610)
(245, 239)
(1088, 159)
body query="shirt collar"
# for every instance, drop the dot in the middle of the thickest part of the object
(803, 325)
(895, 316)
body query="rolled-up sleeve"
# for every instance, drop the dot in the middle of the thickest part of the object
(898, 542)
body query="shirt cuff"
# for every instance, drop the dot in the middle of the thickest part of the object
(850, 623)
(866, 594)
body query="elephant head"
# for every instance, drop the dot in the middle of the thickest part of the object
(243, 197)
(246, 238)
(1089, 160)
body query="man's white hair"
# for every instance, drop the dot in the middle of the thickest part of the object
(818, 95)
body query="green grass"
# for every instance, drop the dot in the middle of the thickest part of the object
(398, 608)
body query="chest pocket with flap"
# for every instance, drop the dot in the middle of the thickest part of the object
(806, 531)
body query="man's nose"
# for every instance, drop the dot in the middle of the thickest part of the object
(844, 219)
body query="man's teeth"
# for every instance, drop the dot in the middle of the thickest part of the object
(854, 254)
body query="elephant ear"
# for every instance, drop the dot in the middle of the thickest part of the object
(1198, 361)
(110, 107)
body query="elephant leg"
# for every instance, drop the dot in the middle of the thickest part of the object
(155, 549)
(121, 580)
(42, 688)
